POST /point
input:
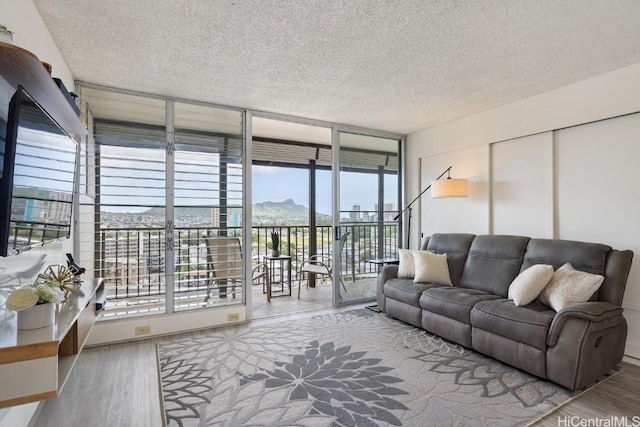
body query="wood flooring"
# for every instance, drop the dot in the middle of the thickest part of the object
(618, 396)
(117, 385)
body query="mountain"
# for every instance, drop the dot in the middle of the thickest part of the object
(287, 208)
(286, 212)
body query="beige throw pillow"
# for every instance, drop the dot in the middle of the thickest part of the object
(406, 266)
(431, 268)
(569, 286)
(529, 283)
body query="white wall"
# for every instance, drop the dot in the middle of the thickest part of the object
(29, 32)
(561, 165)
(522, 175)
(596, 196)
(449, 215)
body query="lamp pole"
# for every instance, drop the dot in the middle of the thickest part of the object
(408, 207)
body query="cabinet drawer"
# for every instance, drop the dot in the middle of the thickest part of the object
(85, 322)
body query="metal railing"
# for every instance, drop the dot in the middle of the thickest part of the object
(132, 260)
(27, 234)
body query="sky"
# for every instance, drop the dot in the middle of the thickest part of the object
(277, 184)
(133, 179)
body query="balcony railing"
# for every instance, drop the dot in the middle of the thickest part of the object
(132, 260)
(28, 234)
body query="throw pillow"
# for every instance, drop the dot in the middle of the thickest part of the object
(431, 268)
(406, 266)
(529, 283)
(569, 286)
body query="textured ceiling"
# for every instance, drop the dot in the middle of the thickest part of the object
(400, 65)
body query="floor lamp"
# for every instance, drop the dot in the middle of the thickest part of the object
(440, 188)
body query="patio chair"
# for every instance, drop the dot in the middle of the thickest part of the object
(321, 265)
(224, 266)
(260, 275)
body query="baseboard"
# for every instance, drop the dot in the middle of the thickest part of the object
(632, 360)
(632, 350)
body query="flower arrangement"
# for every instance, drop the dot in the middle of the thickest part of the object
(39, 292)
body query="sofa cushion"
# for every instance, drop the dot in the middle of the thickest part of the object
(453, 302)
(493, 262)
(569, 286)
(583, 256)
(528, 325)
(405, 290)
(589, 257)
(431, 268)
(456, 246)
(529, 283)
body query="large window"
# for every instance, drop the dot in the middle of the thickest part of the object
(162, 190)
(207, 206)
(153, 195)
(368, 200)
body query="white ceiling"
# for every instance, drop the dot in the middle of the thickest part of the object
(394, 65)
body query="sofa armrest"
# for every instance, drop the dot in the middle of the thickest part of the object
(594, 311)
(585, 342)
(387, 272)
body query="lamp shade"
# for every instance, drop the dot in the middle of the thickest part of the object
(449, 187)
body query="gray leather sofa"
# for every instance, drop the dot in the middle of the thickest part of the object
(573, 347)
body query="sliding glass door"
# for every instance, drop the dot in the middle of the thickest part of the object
(366, 235)
(161, 203)
(207, 207)
(163, 197)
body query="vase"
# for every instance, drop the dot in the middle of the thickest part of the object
(275, 253)
(38, 316)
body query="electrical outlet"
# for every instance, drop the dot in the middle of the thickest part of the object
(233, 317)
(143, 330)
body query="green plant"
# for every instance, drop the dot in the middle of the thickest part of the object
(275, 241)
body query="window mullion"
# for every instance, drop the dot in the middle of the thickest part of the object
(169, 256)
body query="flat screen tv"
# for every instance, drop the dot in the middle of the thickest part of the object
(37, 183)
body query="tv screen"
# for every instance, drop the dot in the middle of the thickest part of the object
(6, 90)
(37, 184)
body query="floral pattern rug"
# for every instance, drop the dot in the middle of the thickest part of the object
(351, 368)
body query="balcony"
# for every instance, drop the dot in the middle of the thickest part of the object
(132, 262)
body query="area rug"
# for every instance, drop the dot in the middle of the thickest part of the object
(351, 368)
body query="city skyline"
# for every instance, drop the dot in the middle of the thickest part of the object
(277, 184)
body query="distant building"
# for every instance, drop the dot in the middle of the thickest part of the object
(233, 217)
(389, 211)
(354, 215)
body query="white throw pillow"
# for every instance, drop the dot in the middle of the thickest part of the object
(529, 283)
(431, 268)
(406, 267)
(569, 286)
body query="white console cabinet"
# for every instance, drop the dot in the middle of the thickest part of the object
(35, 364)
